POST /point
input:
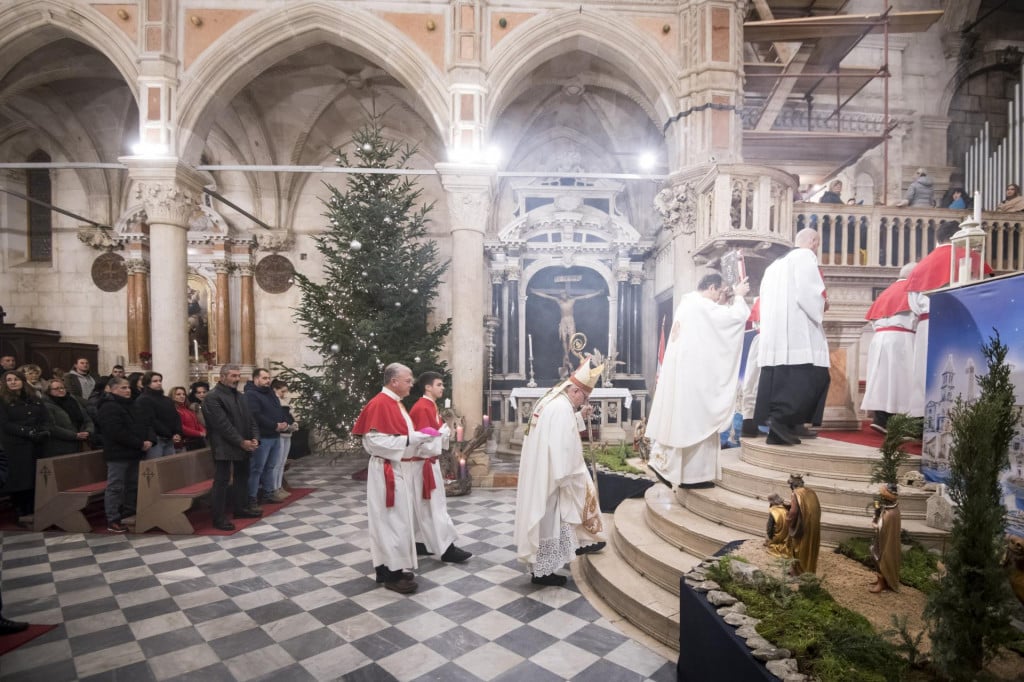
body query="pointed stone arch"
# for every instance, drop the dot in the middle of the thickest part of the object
(28, 25)
(549, 35)
(266, 37)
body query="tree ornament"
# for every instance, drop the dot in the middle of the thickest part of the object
(355, 245)
(367, 147)
(335, 348)
(416, 359)
(398, 304)
(415, 291)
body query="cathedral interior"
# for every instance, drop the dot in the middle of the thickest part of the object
(163, 167)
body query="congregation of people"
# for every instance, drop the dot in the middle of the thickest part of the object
(131, 418)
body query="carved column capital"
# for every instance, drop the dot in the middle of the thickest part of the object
(468, 190)
(497, 277)
(244, 269)
(221, 267)
(137, 266)
(170, 191)
(677, 205)
(513, 274)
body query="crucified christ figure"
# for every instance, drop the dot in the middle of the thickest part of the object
(567, 323)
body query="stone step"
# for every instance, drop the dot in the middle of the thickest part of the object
(835, 495)
(748, 514)
(644, 550)
(819, 457)
(683, 529)
(646, 605)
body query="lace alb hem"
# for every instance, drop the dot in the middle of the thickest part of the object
(554, 553)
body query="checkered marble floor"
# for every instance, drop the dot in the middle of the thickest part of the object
(293, 598)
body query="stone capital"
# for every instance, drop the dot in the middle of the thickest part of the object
(274, 240)
(170, 191)
(137, 266)
(222, 267)
(244, 269)
(468, 189)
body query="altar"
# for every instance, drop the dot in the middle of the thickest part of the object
(612, 417)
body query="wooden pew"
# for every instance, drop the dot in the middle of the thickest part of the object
(64, 485)
(167, 487)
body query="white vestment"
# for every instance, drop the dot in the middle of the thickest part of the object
(556, 503)
(751, 379)
(890, 370)
(792, 311)
(432, 524)
(920, 304)
(391, 528)
(696, 394)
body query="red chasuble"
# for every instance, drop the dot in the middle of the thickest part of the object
(890, 302)
(383, 415)
(933, 270)
(424, 414)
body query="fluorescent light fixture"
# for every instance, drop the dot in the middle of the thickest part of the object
(149, 149)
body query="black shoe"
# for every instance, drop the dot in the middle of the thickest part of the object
(552, 580)
(697, 486)
(454, 555)
(421, 550)
(11, 627)
(590, 549)
(249, 513)
(750, 430)
(781, 434)
(223, 524)
(386, 575)
(402, 585)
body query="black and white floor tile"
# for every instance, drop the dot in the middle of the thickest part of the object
(293, 598)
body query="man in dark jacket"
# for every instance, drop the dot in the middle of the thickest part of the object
(233, 436)
(127, 440)
(158, 412)
(270, 418)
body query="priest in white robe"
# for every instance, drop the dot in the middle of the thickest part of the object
(557, 510)
(889, 388)
(793, 352)
(695, 397)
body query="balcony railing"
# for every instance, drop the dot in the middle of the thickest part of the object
(886, 236)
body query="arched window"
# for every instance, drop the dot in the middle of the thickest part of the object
(40, 218)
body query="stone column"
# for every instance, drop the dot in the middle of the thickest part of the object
(633, 366)
(469, 191)
(170, 193)
(248, 315)
(137, 320)
(512, 315)
(222, 311)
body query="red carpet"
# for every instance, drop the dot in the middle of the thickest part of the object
(867, 436)
(11, 642)
(199, 516)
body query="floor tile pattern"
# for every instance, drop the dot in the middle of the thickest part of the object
(292, 598)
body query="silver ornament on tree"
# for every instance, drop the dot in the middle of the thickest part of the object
(335, 348)
(367, 146)
(355, 245)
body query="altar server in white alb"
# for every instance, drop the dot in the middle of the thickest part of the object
(435, 531)
(793, 353)
(389, 437)
(696, 394)
(889, 388)
(557, 511)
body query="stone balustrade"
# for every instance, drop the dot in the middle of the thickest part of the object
(887, 236)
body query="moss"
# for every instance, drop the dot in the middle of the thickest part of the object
(830, 642)
(613, 457)
(918, 569)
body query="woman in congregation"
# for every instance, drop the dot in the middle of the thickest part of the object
(24, 429)
(72, 426)
(193, 433)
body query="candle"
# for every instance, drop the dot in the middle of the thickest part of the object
(447, 403)
(458, 433)
(965, 270)
(977, 207)
(195, 348)
(462, 467)
(487, 421)
(529, 339)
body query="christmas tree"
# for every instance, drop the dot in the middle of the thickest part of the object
(371, 308)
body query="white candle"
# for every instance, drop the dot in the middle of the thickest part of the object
(965, 270)
(447, 403)
(195, 348)
(529, 339)
(977, 207)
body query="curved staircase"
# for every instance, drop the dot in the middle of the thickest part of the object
(655, 540)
